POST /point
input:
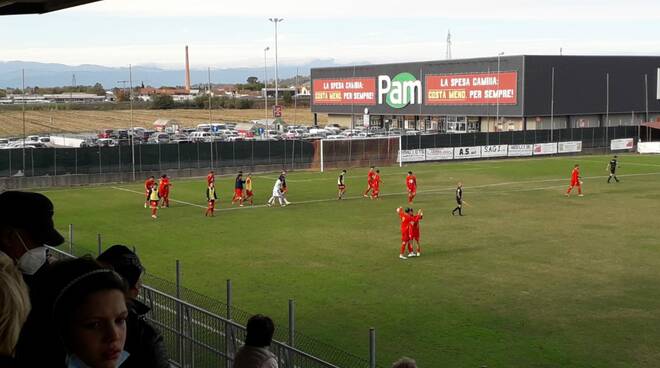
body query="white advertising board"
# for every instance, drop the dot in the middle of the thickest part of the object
(622, 144)
(571, 146)
(648, 147)
(499, 150)
(519, 150)
(412, 155)
(433, 154)
(461, 153)
(545, 149)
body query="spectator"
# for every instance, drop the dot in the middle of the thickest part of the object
(405, 363)
(143, 342)
(26, 224)
(14, 308)
(255, 353)
(79, 316)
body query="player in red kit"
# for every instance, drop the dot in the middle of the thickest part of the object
(164, 191)
(370, 181)
(211, 197)
(414, 233)
(575, 181)
(210, 178)
(147, 188)
(406, 223)
(411, 184)
(375, 185)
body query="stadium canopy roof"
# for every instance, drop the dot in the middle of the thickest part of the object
(14, 7)
(653, 124)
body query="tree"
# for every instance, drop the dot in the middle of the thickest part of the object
(97, 89)
(161, 102)
(252, 80)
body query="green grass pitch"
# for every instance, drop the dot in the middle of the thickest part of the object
(528, 278)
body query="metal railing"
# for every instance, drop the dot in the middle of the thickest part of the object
(200, 331)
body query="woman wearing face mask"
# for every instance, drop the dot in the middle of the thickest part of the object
(82, 313)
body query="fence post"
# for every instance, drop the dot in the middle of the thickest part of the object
(372, 347)
(228, 332)
(179, 315)
(292, 323)
(98, 240)
(71, 239)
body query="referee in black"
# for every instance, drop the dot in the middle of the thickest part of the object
(612, 166)
(459, 200)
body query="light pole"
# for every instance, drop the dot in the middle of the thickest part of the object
(266, 88)
(276, 20)
(497, 108)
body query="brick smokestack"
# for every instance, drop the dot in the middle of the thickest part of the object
(188, 86)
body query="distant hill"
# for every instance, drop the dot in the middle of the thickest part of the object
(54, 75)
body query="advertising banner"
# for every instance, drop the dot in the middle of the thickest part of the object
(494, 151)
(412, 155)
(461, 153)
(648, 147)
(545, 149)
(571, 146)
(433, 154)
(344, 91)
(622, 144)
(472, 89)
(520, 150)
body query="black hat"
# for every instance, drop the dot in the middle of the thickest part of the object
(124, 261)
(32, 212)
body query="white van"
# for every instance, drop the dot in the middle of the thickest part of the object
(200, 137)
(203, 127)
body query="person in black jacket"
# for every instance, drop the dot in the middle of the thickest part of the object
(143, 342)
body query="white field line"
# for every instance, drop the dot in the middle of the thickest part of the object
(432, 191)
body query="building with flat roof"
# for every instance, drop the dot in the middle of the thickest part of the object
(504, 93)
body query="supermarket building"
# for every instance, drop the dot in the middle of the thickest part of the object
(502, 93)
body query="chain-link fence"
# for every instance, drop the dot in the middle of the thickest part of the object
(195, 326)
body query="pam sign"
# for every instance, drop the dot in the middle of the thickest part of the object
(398, 92)
(345, 91)
(472, 89)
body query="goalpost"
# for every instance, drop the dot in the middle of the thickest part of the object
(358, 152)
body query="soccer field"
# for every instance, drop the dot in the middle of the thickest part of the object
(527, 278)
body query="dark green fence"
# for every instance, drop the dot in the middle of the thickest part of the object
(155, 157)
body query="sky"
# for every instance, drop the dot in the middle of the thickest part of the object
(224, 34)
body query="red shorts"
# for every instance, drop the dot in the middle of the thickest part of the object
(248, 193)
(164, 194)
(415, 236)
(412, 190)
(341, 187)
(405, 236)
(212, 203)
(154, 204)
(575, 183)
(238, 193)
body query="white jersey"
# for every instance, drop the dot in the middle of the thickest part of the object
(277, 189)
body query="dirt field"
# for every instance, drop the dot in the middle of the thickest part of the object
(52, 122)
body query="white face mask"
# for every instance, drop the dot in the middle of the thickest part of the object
(32, 260)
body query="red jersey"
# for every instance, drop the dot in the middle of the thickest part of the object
(370, 177)
(414, 228)
(210, 178)
(406, 221)
(164, 185)
(148, 183)
(411, 181)
(575, 175)
(376, 181)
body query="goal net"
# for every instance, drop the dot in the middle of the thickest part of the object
(356, 152)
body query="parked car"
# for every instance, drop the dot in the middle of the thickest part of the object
(106, 142)
(201, 136)
(107, 133)
(159, 138)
